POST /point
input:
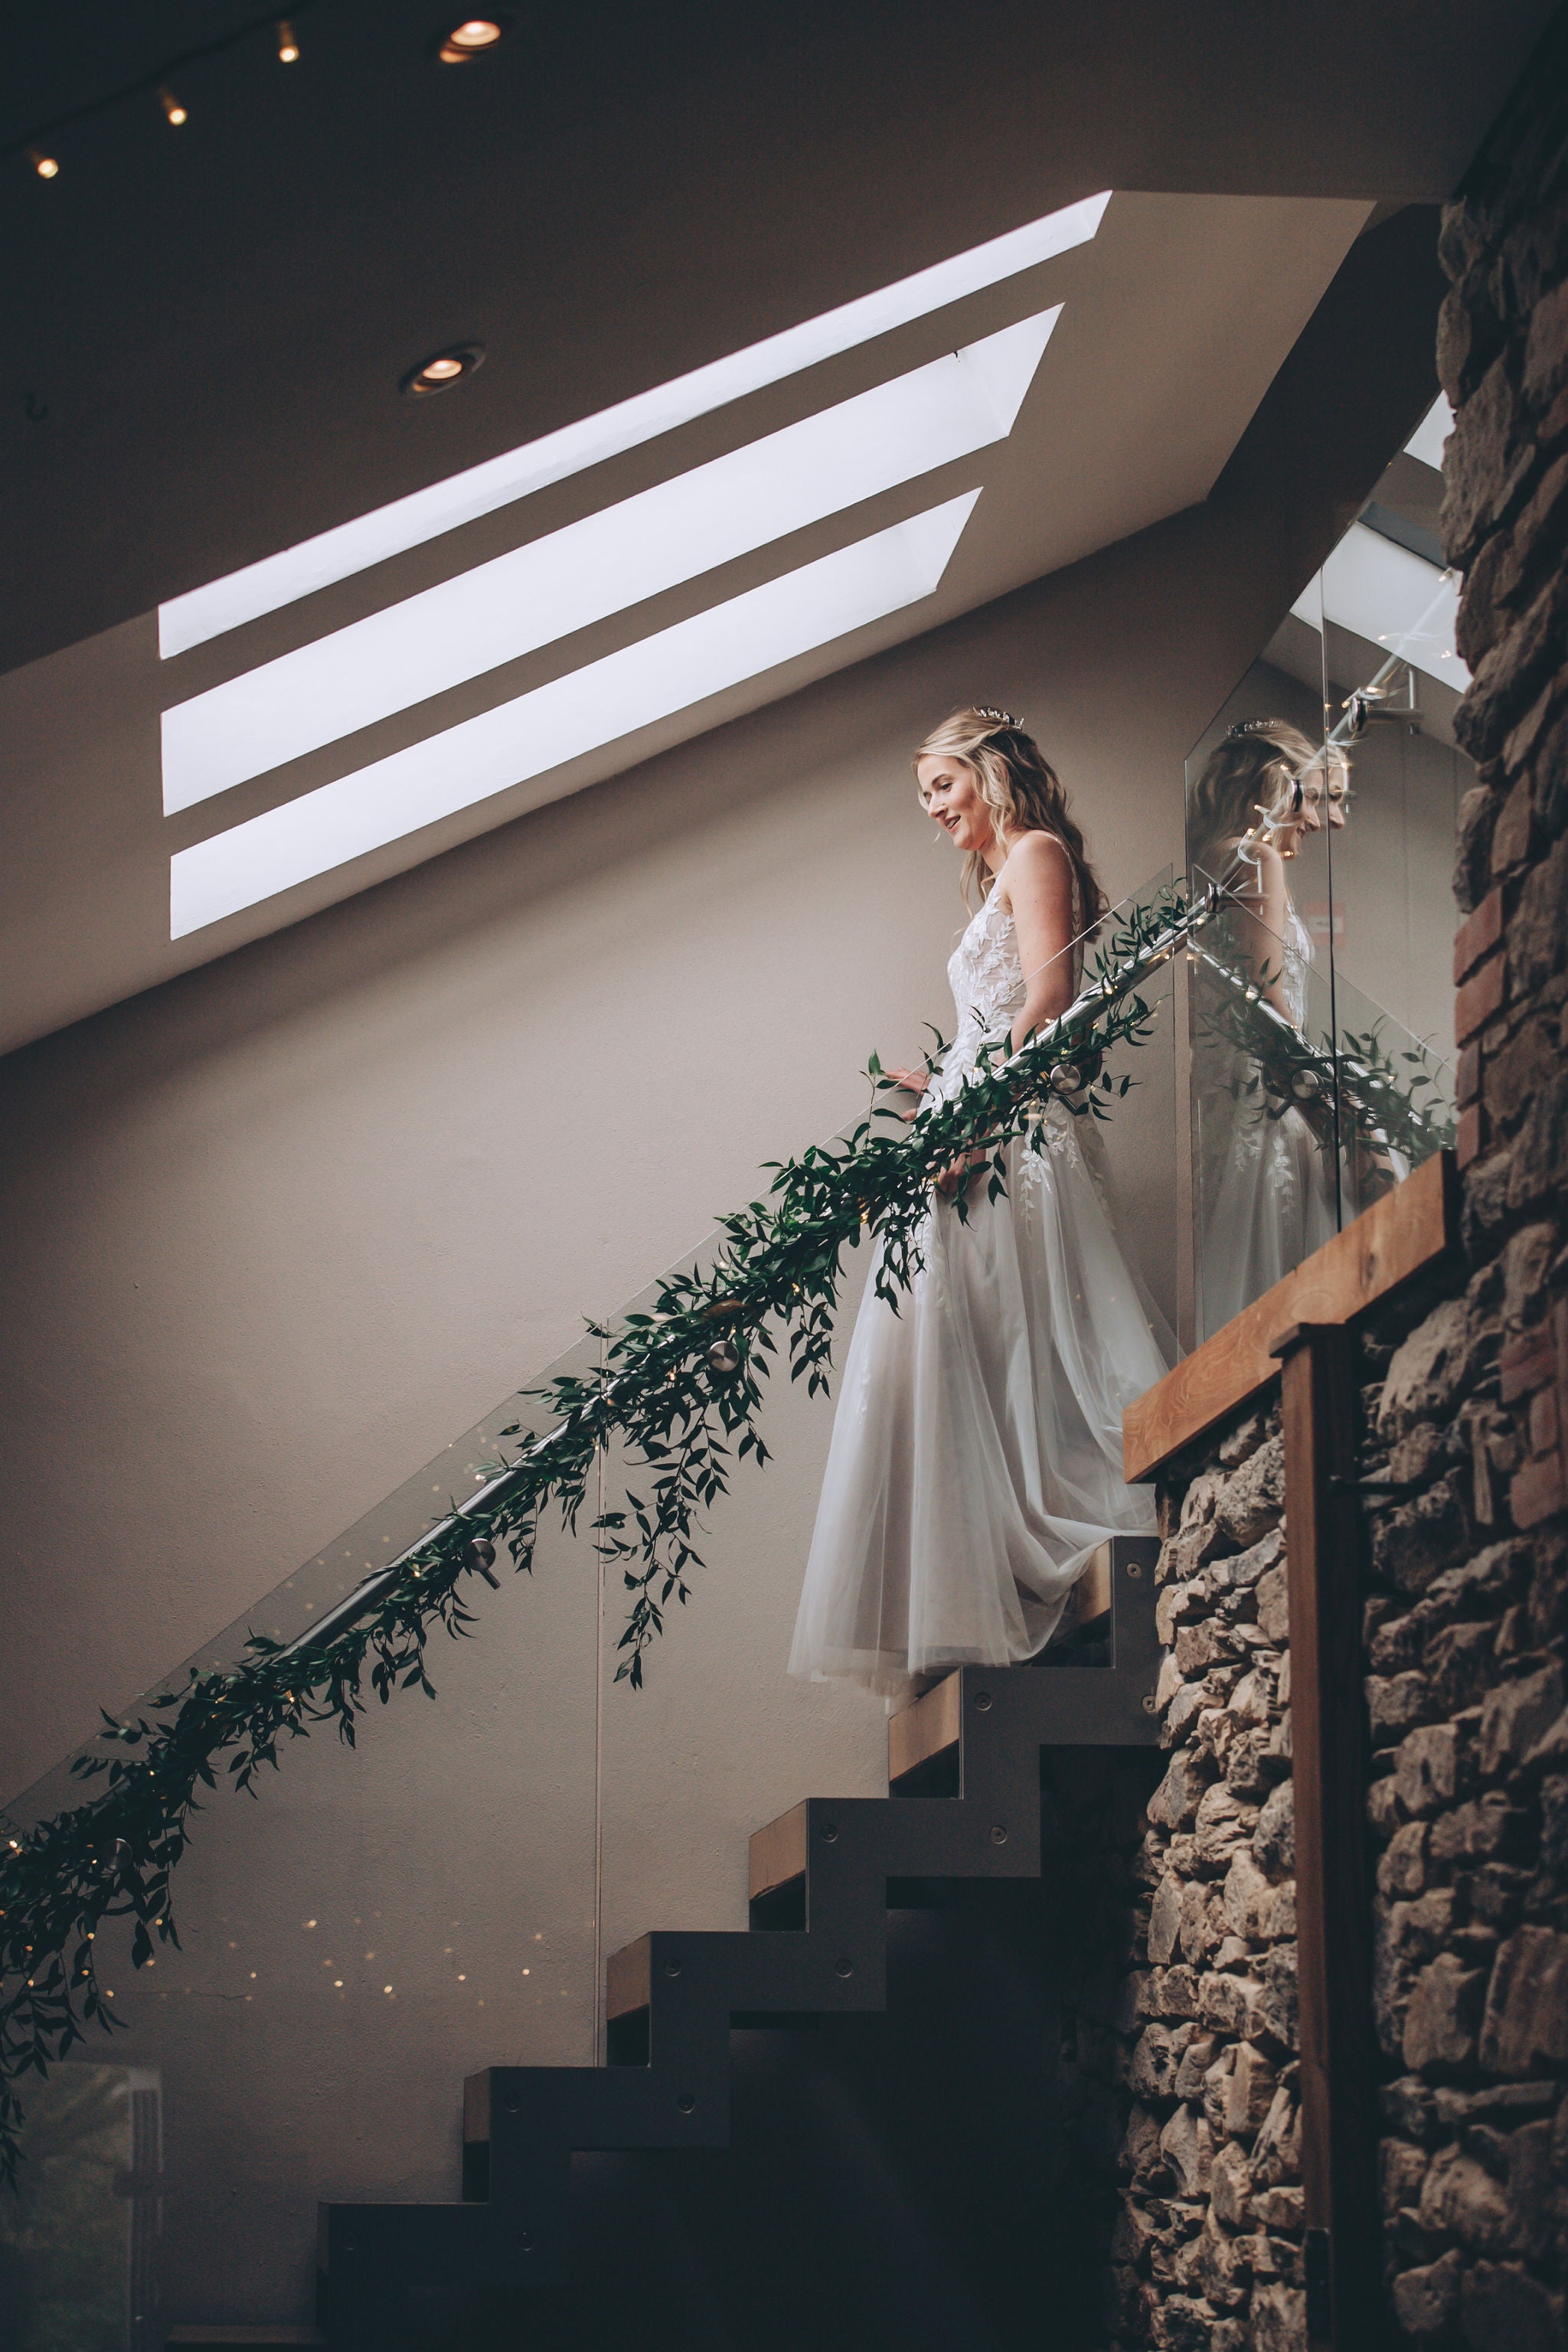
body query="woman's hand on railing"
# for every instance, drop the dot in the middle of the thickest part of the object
(913, 1082)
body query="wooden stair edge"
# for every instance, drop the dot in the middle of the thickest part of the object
(777, 1853)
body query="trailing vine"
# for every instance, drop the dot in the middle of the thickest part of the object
(680, 1389)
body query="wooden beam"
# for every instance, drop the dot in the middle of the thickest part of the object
(777, 1852)
(627, 1976)
(925, 1728)
(1339, 2070)
(1408, 1230)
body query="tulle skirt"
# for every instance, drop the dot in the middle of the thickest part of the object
(975, 1463)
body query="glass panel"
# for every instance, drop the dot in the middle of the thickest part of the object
(344, 1963)
(79, 2241)
(381, 1920)
(1308, 1101)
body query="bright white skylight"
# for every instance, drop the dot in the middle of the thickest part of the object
(1426, 441)
(599, 565)
(543, 728)
(1393, 599)
(351, 547)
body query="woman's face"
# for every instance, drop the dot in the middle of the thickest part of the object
(1323, 801)
(951, 792)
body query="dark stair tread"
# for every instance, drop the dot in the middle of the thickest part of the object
(259, 2339)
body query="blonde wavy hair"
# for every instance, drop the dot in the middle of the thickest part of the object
(1249, 781)
(1022, 794)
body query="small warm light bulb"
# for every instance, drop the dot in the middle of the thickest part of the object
(475, 33)
(172, 107)
(46, 166)
(287, 47)
(442, 370)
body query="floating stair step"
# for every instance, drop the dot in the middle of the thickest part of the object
(777, 1852)
(927, 1728)
(259, 2339)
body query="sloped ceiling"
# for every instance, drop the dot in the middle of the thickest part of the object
(208, 327)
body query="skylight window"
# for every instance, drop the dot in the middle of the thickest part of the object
(351, 547)
(601, 565)
(540, 730)
(1391, 598)
(1426, 441)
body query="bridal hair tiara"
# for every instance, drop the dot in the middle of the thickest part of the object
(1247, 727)
(993, 716)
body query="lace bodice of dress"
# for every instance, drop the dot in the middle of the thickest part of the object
(1298, 944)
(984, 973)
(987, 976)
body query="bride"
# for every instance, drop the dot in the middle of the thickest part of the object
(977, 1456)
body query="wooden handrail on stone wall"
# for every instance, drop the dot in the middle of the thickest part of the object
(1299, 1333)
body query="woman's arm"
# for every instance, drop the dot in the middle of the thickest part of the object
(1262, 898)
(1036, 880)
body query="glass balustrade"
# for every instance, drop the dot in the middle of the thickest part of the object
(376, 1922)
(1321, 1009)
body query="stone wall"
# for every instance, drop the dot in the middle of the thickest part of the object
(1467, 1608)
(1464, 1411)
(1207, 2255)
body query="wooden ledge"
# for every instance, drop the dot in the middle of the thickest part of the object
(929, 1725)
(628, 1978)
(1400, 1235)
(778, 1852)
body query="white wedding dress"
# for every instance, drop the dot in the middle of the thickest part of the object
(976, 1455)
(1268, 1179)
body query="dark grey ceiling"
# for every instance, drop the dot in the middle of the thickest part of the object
(203, 329)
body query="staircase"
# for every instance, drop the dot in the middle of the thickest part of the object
(963, 1804)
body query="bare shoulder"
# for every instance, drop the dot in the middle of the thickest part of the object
(1036, 861)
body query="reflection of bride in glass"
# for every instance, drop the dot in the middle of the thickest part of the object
(977, 1456)
(1266, 1168)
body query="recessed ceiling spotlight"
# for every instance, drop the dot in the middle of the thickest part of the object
(172, 107)
(287, 47)
(473, 37)
(443, 369)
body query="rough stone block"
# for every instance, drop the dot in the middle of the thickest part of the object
(1176, 1801)
(1253, 1502)
(1278, 2208)
(1413, 1543)
(1486, 1828)
(1400, 2171)
(1274, 1606)
(1460, 2196)
(1249, 2091)
(1278, 2319)
(1433, 1368)
(1155, 2059)
(1277, 1971)
(1187, 2145)
(1402, 1870)
(1197, 2060)
(1536, 1491)
(1164, 1920)
(1230, 2183)
(1443, 2014)
(1276, 2151)
(1503, 2309)
(1223, 1826)
(1460, 1661)
(1538, 1154)
(1274, 1840)
(1534, 2189)
(1526, 2020)
(1425, 2299)
(1406, 2104)
(1254, 1906)
(1426, 1768)
(1231, 2004)
(1396, 1702)
(1515, 1715)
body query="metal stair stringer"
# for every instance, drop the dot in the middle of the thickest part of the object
(673, 1996)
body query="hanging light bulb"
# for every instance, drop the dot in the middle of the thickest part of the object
(471, 38)
(287, 47)
(172, 107)
(44, 165)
